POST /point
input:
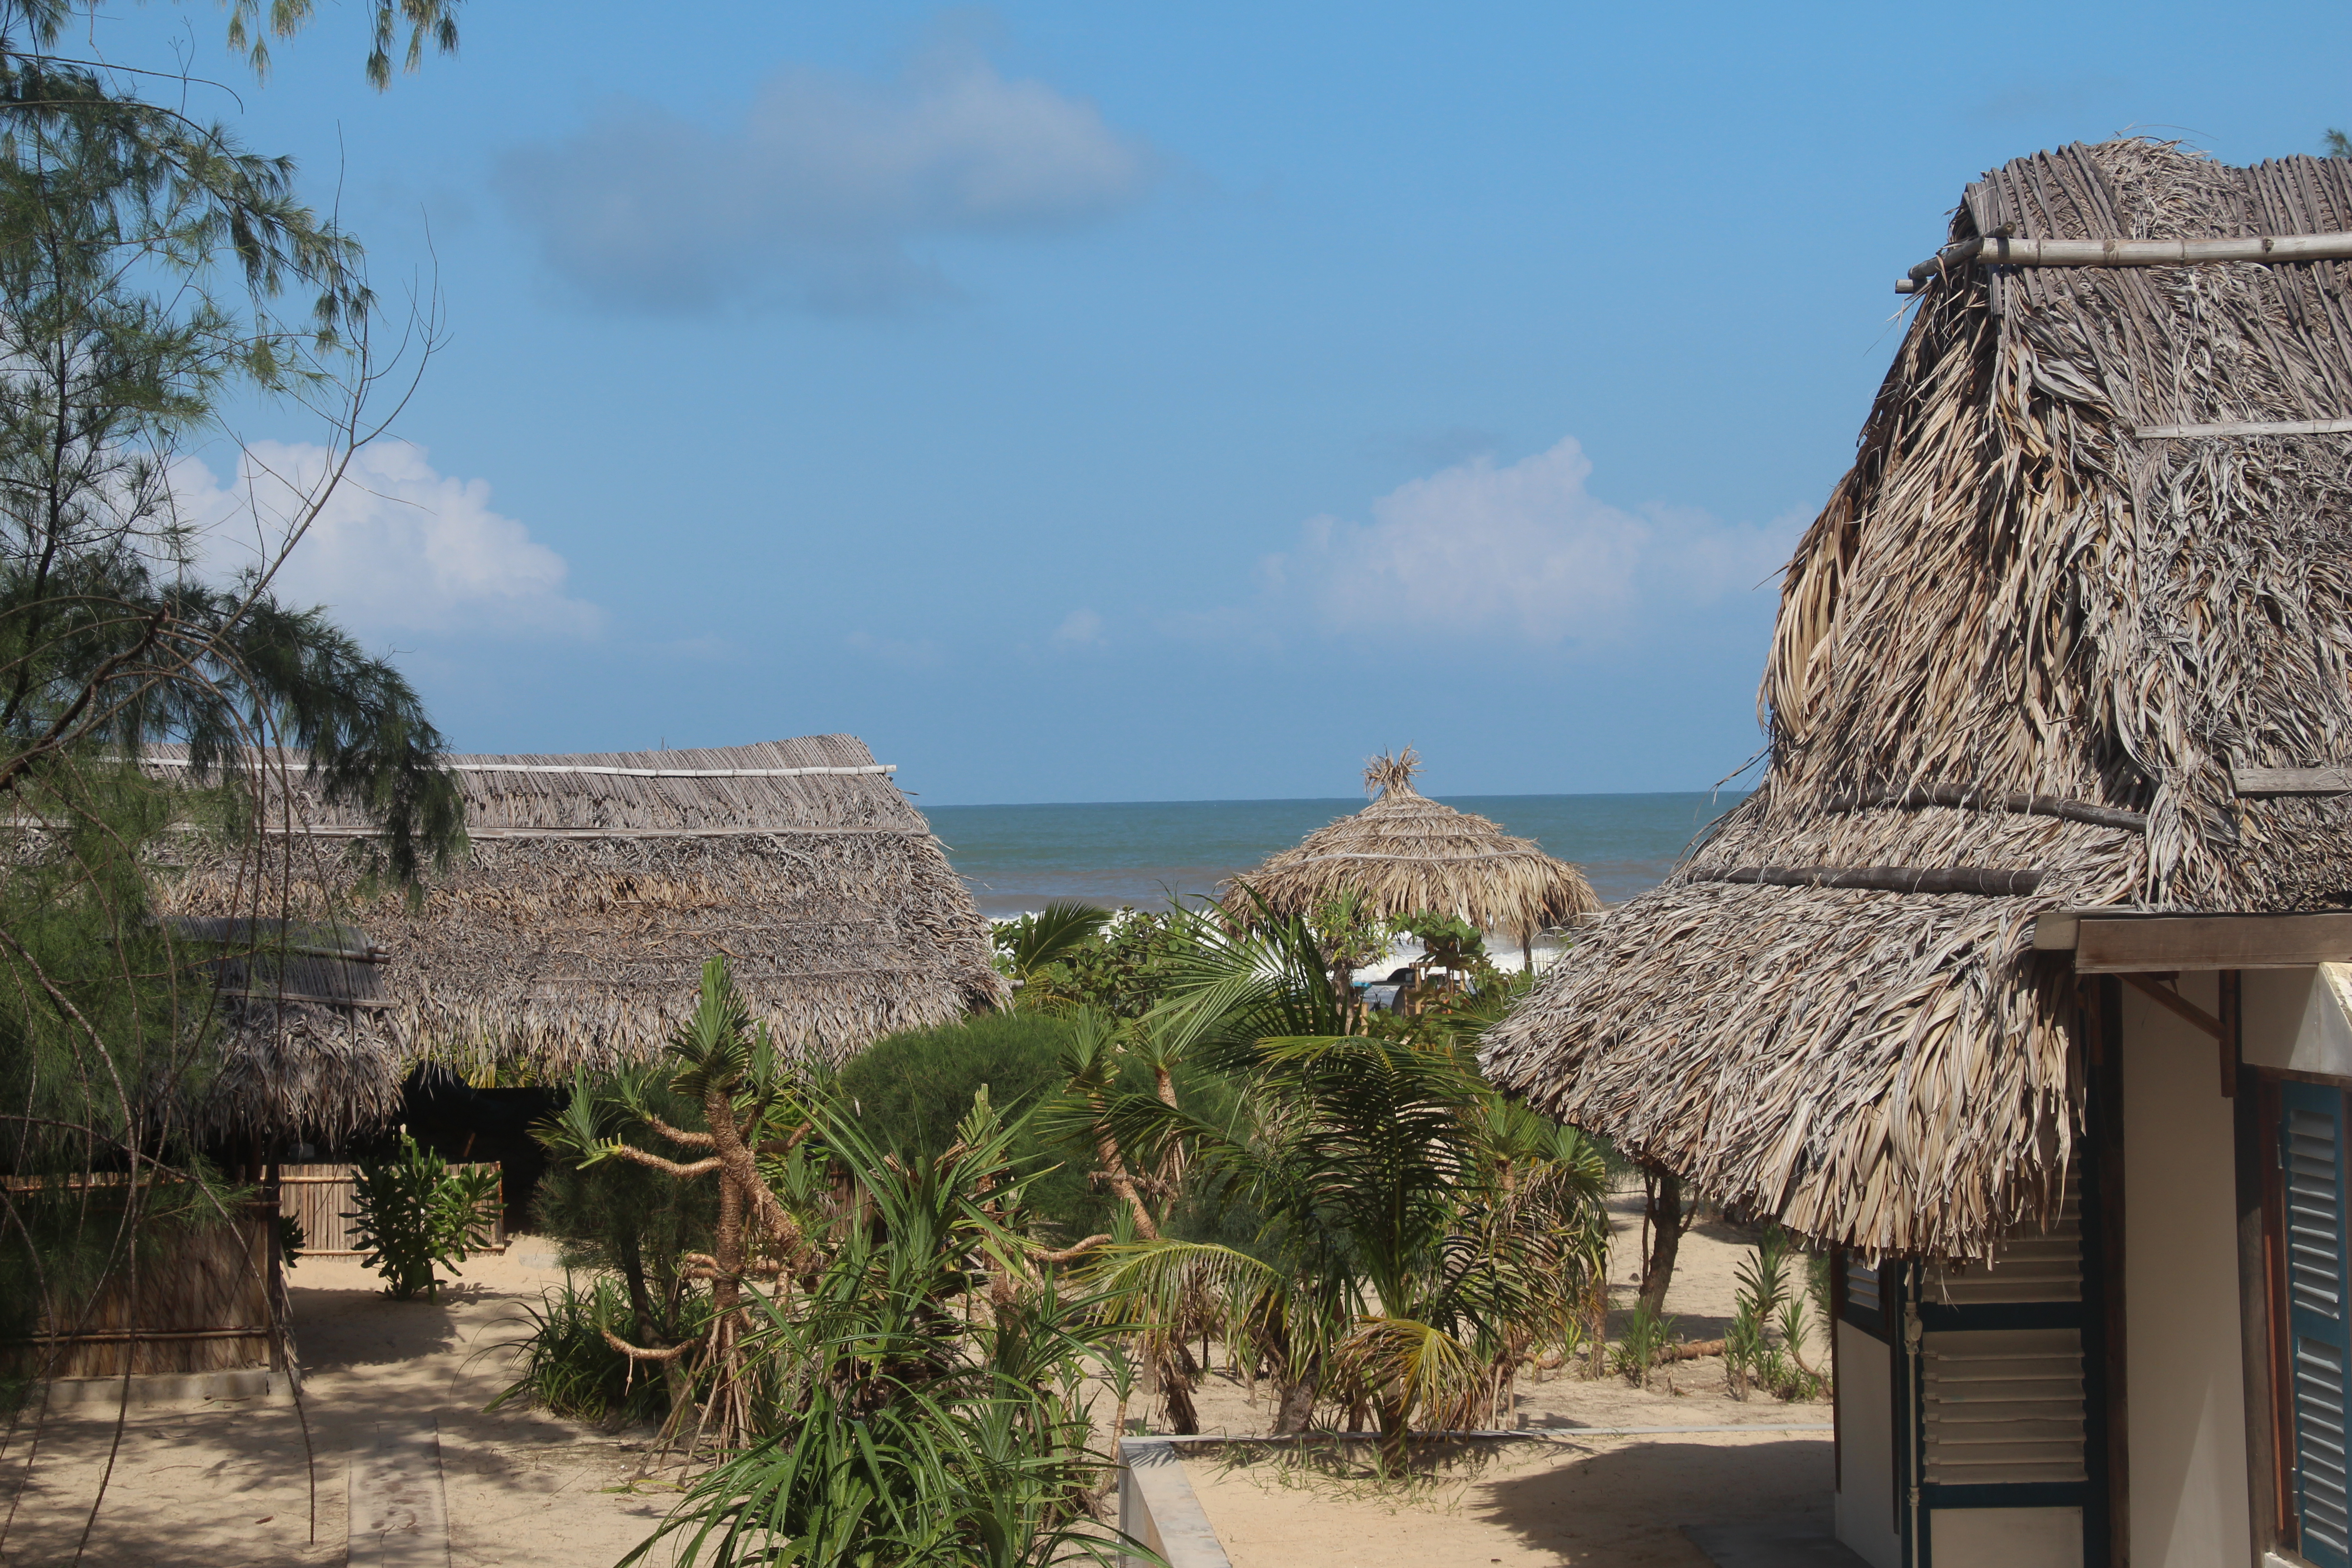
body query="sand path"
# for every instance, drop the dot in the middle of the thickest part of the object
(220, 1483)
(223, 1482)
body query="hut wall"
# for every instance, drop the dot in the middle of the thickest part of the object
(2184, 1369)
(319, 1198)
(1865, 1415)
(203, 1307)
(2292, 1020)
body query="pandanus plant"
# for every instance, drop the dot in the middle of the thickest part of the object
(754, 1116)
(927, 1380)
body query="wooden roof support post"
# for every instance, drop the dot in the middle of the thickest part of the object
(2233, 1004)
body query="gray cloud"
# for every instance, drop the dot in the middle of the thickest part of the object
(818, 195)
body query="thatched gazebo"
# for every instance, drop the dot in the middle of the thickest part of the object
(1406, 853)
(572, 930)
(2028, 946)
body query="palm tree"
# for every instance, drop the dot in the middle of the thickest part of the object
(1036, 941)
(1417, 1233)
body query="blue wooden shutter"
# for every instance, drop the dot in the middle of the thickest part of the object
(2311, 1155)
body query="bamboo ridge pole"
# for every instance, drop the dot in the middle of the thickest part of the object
(1993, 883)
(2003, 250)
(2016, 801)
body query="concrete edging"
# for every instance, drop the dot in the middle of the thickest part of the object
(399, 1507)
(1156, 1506)
(170, 1387)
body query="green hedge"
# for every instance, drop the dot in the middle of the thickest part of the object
(909, 1090)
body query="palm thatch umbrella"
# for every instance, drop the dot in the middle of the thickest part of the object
(1406, 853)
(2088, 581)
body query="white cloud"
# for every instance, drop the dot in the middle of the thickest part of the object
(1079, 629)
(1521, 551)
(815, 195)
(398, 547)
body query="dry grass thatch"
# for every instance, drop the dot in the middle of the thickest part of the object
(574, 928)
(2012, 594)
(1406, 853)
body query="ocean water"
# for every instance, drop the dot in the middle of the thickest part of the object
(1016, 858)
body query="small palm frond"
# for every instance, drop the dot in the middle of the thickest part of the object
(1416, 1368)
(1174, 1285)
(1053, 934)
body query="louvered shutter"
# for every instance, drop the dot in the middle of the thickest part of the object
(2002, 1405)
(2310, 1158)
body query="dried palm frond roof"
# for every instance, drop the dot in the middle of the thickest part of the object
(2017, 656)
(572, 930)
(302, 1050)
(1406, 853)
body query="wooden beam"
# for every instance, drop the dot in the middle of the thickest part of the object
(2244, 427)
(2016, 801)
(2112, 945)
(2174, 1002)
(2291, 780)
(2002, 250)
(1995, 882)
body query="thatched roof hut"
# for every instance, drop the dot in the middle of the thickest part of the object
(2087, 585)
(574, 928)
(1406, 853)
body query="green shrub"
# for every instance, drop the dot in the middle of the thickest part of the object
(908, 1092)
(1647, 1336)
(568, 1368)
(416, 1216)
(620, 1219)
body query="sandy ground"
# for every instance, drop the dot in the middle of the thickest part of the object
(223, 1483)
(1559, 1499)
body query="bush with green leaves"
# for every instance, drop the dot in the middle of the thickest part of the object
(927, 1404)
(909, 1090)
(624, 1220)
(1645, 1339)
(1766, 1303)
(1415, 1236)
(414, 1215)
(570, 1369)
(1071, 955)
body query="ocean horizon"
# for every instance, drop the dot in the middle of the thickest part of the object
(1016, 859)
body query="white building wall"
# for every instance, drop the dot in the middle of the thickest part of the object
(2185, 1386)
(1865, 1409)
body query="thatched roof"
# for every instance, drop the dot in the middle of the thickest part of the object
(302, 1049)
(1406, 853)
(2019, 653)
(574, 928)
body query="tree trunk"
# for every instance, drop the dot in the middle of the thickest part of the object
(1294, 1406)
(1176, 1377)
(1396, 1431)
(651, 1327)
(1664, 1210)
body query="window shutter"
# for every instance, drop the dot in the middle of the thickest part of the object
(2311, 1157)
(2002, 1366)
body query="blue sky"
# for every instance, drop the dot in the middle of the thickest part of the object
(1099, 401)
